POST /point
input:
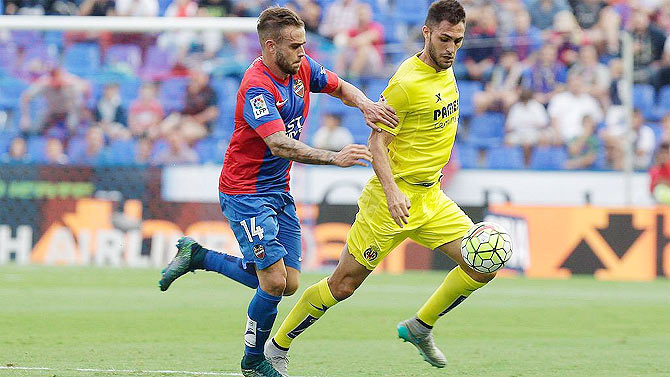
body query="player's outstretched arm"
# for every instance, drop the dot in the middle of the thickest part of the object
(398, 202)
(295, 150)
(373, 112)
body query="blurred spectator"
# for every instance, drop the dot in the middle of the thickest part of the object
(527, 124)
(309, 11)
(215, 8)
(542, 12)
(659, 175)
(587, 12)
(661, 16)
(143, 151)
(64, 94)
(251, 8)
(41, 7)
(18, 152)
(643, 141)
(594, 75)
(545, 76)
(502, 91)
(341, 15)
(109, 113)
(136, 8)
(524, 38)
(665, 128)
(183, 40)
(177, 152)
(617, 87)
(648, 43)
(146, 113)
(53, 152)
(97, 8)
(361, 48)
(567, 36)
(505, 11)
(94, 152)
(568, 109)
(663, 77)
(200, 111)
(481, 53)
(331, 135)
(583, 149)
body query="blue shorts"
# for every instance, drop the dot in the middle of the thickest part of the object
(266, 227)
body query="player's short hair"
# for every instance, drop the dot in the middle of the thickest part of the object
(272, 20)
(450, 10)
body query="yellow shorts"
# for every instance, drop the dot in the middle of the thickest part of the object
(434, 220)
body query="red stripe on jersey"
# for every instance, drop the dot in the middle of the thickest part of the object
(333, 82)
(267, 129)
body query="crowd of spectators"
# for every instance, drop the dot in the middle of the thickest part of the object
(551, 69)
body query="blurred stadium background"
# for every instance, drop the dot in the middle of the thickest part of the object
(115, 116)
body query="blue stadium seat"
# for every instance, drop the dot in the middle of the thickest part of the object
(76, 148)
(548, 158)
(36, 148)
(26, 37)
(122, 152)
(467, 90)
(54, 38)
(504, 157)
(10, 92)
(411, 12)
(82, 59)
(157, 63)
(7, 56)
(663, 102)
(486, 130)
(353, 121)
(209, 150)
(172, 94)
(124, 54)
(643, 99)
(468, 155)
(375, 87)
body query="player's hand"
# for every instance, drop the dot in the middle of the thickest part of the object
(399, 206)
(352, 154)
(379, 112)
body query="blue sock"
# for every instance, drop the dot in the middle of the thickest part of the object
(231, 267)
(260, 318)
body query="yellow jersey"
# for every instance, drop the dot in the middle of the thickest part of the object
(426, 102)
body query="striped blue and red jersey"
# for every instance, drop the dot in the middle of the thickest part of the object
(267, 104)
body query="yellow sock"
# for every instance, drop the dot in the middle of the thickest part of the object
(311, 306)
(455, 288)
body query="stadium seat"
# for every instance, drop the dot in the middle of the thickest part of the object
(157, 64)
(124, 54)
(172, 92)
(54, 38)
(663, 102)
(548, 158)
(375, 87)
(468, 155)
(122, 152)
(411, 12)
(76, 148)
(10, 92)
(209, 150)
(353, 121)
(467, 90)
(26, 37)
(36, 148)
(504, 157)
(643, 99)
(486, 130)
(82, 59)
(41, 52)
(7, 56)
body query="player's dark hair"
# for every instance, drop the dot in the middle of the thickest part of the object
(272, 20)
(449, 10)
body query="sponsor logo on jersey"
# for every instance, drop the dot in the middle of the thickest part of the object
(259, 251)
(298, 88)
(259, 106)
(371, 253)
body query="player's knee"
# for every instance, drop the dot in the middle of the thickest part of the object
(342, 289)
(291, 288)
(275, 284)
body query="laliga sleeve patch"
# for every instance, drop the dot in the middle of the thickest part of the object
(259, 106)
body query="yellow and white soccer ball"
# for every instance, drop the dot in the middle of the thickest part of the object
(486, 247)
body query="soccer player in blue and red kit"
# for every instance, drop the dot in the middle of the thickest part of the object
(272, 104)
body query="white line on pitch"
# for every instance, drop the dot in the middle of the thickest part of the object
(135, 371)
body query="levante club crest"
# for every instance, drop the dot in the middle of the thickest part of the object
(259, 251)
(299, 88)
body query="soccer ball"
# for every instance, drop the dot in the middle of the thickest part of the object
(486, 247)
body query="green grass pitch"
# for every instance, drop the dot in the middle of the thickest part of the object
(115, 322)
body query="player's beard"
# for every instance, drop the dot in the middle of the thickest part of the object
(434, 56)
(284, 65)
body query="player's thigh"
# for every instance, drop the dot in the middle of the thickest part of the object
(348, 275)
(369, 243)
(255, 225)
(447, 224)
(289, 236)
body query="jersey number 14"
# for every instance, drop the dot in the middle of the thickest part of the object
(255, 230)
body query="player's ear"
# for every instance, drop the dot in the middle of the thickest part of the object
(426, 31)
(270, 45)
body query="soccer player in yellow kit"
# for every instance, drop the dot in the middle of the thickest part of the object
(404, 198)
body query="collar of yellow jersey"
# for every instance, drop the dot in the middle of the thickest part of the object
(421, 65)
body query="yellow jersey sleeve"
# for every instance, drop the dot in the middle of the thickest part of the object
(395, 96)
